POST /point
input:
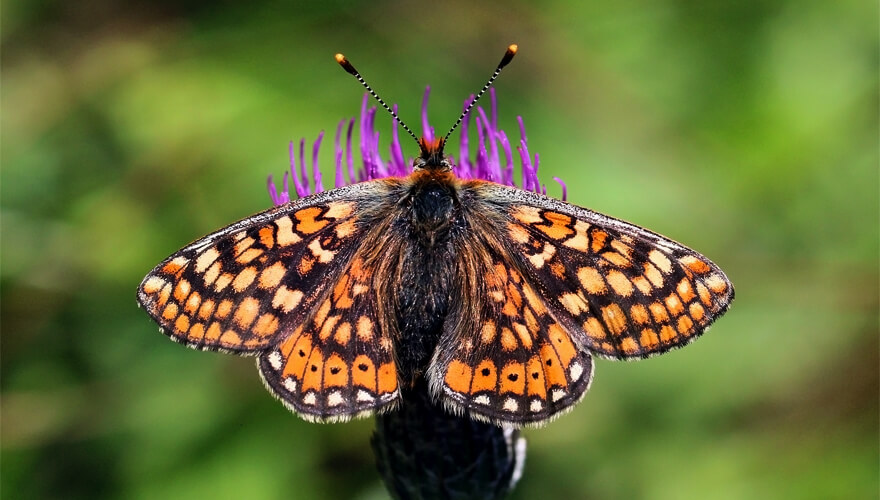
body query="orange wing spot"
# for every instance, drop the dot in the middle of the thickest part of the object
(182, 290)
(659, 313)
(595, 329)
(620, 283)
(649, 339)
(327, 327)
(685, 290)
(579, 241)
(508, 341)
(488, 332)
(243, 245)
(387, 378)
(314, 370)
(308, 224)
(614, 318)
(523, 334)
(322, 313)
(526, 214)
(246, 312)
(230, 338)
(266, 325)
(323, 255)
(213, 273)
(629, 345)
(514, 295)
(153, 285)
(271, 276)
(458, 377)
(345, 229)
(694, 264)
(531, 322)
(223, 309)
(181, 325)
(705, 296)
(575, 303)
(485, 377)
(192, 303)
(642, 284)
(673, 303)
(305, 265)
(716, 284)
(287, 344)
(196, 332)
(213, 332)
(170, 312)
(562, 343)
(341, 296)
(339, 210)
(513, 378)
(501, 272)
(335, 372)
(518, 233)
(660, 260)
(343, 333)
(223, 281)
(365, 328)
(267, 238)
(244, 279)
(557, 228)
(653, 275)
(697, 312)
(534, 301)
(554, 372)
(285, 235)
(249, 255)
(616, 259)
(623, 249)
(558, 270)
(206, 310)
(685, 325)
(363, 372)
(286, 299)
(510, 309)
(206, 259)
(164, 295)
(667, 334)
(598, 238)
(535, 383)
(591, 280)
(639, 314)
(299, 357)
(175, 266)
(538, 260)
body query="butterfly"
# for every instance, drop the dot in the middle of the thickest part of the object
(498, 297)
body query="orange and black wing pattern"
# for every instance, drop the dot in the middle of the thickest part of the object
(504, 357)
(623, 291)
(340, 362)
(275, 283)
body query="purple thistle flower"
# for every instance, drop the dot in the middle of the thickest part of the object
(493, 159)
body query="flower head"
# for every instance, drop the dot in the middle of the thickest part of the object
(492, 161)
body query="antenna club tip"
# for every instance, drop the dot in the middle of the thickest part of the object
(508, 56)
(343, 61)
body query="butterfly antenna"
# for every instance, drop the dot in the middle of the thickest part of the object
(508, 56)
(347, 66)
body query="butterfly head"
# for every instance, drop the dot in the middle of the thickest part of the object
(431, 155)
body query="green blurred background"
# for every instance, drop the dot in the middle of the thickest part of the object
(745, 129)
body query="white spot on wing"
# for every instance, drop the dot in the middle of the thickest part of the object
(290, 384)
(275, 360)
(536, 405)
(558, 394)
(364, 397)
(309, 399)
(482, 400)
(576, 371)
(511, 405)
(335, 399)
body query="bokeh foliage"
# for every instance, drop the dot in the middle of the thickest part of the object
(746, 129)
